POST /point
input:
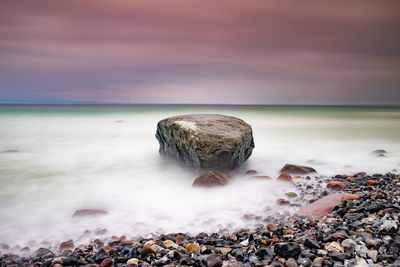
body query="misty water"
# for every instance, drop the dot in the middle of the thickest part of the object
(58, 159)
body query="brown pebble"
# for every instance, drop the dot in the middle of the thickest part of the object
(388, 210)
(285, 177)
(67, 245)
(106, 262)
(180, 239)
(379, 196)
(350, 196)
(336, 185)
(231, 237)
(126, 242)
(289, 232)
(191, 247)
(340, 235)
(372, 182)
(271, 227)
(282, 202)
(319, 260)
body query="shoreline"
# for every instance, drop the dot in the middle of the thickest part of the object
(362, 231)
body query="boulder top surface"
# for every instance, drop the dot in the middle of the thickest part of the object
(211, 124)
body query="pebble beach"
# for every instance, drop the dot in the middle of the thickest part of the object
(361, 228)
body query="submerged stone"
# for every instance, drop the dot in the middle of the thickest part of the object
(206, 141)
(297, 169)
(211, 179)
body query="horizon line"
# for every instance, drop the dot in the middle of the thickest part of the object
(183, 104)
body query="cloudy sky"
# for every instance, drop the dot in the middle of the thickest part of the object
(203, 51)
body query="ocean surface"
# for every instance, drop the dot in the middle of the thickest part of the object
(56, 159)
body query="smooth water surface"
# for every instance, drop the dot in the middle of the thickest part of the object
(55, 159)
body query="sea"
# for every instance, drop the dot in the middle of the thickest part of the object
(56, 159)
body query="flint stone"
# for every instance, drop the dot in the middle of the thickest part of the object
(206, 141)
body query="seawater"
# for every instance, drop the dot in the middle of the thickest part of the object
(55, 159)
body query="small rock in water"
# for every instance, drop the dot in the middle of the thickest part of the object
(67, 245)
(211, 179)
(285, 177)
(89, 212)
(282, 202)
(252, 172)
(379, 153)
(10, 151)
(297, 169)
(336, 185)
(291, 194)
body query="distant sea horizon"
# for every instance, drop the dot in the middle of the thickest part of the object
(196, 104)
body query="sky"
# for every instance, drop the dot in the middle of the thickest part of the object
(203, 51)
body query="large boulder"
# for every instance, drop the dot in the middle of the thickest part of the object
(206, 141)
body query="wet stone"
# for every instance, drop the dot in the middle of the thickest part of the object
(287, 250)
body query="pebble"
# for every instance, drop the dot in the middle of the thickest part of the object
(334, 247)
(285, 178)
(272, 227)
(106, 262)
(169, 244)
(191, 247)
(291, 263)
(133, 261)
(225, 251)
(287, 250)
(291, 194)
(213, 260)
(373, 254)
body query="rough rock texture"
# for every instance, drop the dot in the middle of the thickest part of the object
(206, 141)
(211, 179)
